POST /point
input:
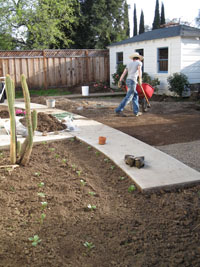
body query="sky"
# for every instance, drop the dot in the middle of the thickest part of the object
(185, 10)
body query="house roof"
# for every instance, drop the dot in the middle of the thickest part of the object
(172, 31)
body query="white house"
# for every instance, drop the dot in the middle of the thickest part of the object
(166, 51)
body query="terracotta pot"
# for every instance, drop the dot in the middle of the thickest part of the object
(102, 140)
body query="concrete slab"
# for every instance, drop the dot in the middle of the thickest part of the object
(160, 170)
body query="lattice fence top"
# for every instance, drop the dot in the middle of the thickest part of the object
(55, 53)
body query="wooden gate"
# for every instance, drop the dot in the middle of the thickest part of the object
(56, 68)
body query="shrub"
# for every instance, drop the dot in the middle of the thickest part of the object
(177, 83)
(153, 82)
(116, 76)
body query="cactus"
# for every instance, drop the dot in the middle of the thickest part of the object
(10, 92)
(31, 123)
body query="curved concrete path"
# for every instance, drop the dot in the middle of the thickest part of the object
(160, 170)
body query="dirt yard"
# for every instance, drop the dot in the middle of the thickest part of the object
(93, 217)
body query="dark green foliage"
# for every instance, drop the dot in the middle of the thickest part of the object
(156, 22)
(101, 23)
(177, 82)
(126, 20)
(141, 28)
(153, 82)
(162, 16)
(116, 76)
(134, 21)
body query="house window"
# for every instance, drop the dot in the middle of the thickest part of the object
(141, 52)
(119, 58)
(163, 59)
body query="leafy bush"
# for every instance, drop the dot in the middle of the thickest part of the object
(153, 82)
(177, 83)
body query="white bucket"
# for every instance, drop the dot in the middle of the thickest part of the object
(51, 103)
(85, 90)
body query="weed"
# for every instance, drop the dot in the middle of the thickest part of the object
(112, 167)
(89, 147)
(57, 156)
(97, 153)
(131, 188)
(44, 142)
(37, 174)
(64, 161)
(41, 184)
(12, 188)
(73, 167)
(106, 160)
(89, 245)
(83, 183)
(122, 178)
(44, 205)
(91, 207)
(79, 173)
(42, 217)
(92, 193)
(41, 194)
(52, 149)
(35, 240)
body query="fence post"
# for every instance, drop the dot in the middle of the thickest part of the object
(87, 66)
(45, 70)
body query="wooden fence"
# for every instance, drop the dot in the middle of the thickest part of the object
(56, 68)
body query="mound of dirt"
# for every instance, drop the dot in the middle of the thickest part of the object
(47, 123)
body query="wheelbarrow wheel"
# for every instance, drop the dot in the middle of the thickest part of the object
(144, 105)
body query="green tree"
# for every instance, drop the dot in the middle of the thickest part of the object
(39, 23)
(101, 23)
(156, 22)
(134, 21)
(126, 20)
(141, 27)
(162, 16)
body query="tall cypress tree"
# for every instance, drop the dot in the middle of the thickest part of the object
(156, 22)
(162, 17)
(134, 21)
(126, 20)
(141, 28)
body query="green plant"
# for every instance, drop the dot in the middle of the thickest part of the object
(177, 83)
(41, 184)
(131, 188)
(73, 167)
(97, 153)
(79, 173)
(91, 207)
(35, 240)
(89, 147)
(83, 183)
(1, 155)
(146, 78)
(122, 178)
(89, 245)
(106, 160)
(42, 217)
(64, 161)
(112, 167)
(92, 193)
(57, 156)
(116, 76)
(40, 194)
(37, 174)
(44, 205)
(52, 149)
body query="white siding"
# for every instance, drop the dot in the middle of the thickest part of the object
(150, 57)
(190, 59)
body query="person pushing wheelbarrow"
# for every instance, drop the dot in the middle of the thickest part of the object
(134, 73)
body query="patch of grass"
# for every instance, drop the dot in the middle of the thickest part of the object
(44, 92)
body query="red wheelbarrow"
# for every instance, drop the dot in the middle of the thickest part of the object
(145, 92)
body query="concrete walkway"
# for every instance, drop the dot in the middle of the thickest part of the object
(160, 170)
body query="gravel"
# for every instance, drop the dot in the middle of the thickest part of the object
(188, 153)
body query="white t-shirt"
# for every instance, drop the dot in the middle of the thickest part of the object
(133, 70)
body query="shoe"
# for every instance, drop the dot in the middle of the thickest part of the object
(138, 114)
(120, 114)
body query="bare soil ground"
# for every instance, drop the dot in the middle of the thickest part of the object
(126, 229)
